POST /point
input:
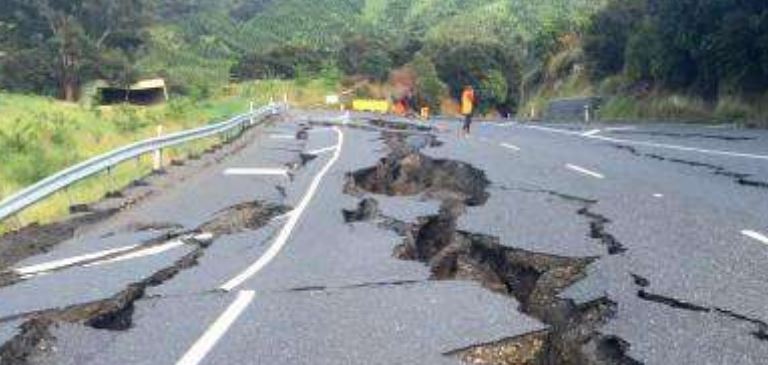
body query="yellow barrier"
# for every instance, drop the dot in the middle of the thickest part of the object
(370, 105)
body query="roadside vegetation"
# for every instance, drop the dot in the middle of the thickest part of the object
(41, 135)
(648, 59)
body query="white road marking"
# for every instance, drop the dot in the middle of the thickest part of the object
(322, 150)
(256, 172)
(756, 236)
(553, 130)
(720, 126)
(585, 171)
(150, 251)
(510, 146)
(282, 136)
(683, 148)
(653, 144)
(617, 129)
(591, 133)
(217, 330)
(33, 270)
(657, 195)
(293, 219)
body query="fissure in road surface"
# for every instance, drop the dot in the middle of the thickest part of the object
(535, 280)
(116, 313)
(760, 330)
(742, 179)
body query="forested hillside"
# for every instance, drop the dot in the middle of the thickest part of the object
(515, 52)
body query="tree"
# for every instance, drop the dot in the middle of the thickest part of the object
(365, 56)
(489, 68)
(605, 41)
(429, 88)
(83, 37)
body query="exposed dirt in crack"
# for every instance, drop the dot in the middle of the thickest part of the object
(739, 178)
(34, 240)
(535, 280)
(116, 313)
(406, 171)
(242, 217)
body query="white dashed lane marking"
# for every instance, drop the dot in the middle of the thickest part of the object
(510, 146)
(756, 236)
(256, 172)
(584, 171)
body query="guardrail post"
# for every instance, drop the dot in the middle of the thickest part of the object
(251, 116)
(586, 113)
(272, 106)
(157, 165)
(111, 184)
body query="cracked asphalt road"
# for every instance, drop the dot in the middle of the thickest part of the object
(662, 212)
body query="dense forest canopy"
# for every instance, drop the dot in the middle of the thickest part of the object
(502, 47)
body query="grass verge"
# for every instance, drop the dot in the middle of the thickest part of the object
(40, 136)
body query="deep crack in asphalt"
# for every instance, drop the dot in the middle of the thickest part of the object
(116, 313)
(535, 280)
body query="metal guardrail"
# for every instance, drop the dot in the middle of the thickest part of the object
(56, 182)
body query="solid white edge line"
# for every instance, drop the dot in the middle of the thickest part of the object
(281, 136)
(217, 330)
(591, 133)
(255, 172)
(150, 251)
(585, 171)
(58, 264)
(681, 148)
(652, 144)
(322, 150)
(755, 235)
(510, 146)
(293, 219)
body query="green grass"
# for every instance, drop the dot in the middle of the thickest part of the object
(40, 136)
(677, 107)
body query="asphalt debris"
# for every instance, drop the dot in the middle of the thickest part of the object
(242, 217)
(38, 239)
(116, 313)
(406, 171)
(534, 279)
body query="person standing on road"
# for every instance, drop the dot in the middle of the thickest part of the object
(468, 101)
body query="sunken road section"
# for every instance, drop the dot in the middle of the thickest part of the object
(533, 279)
(116, 313)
